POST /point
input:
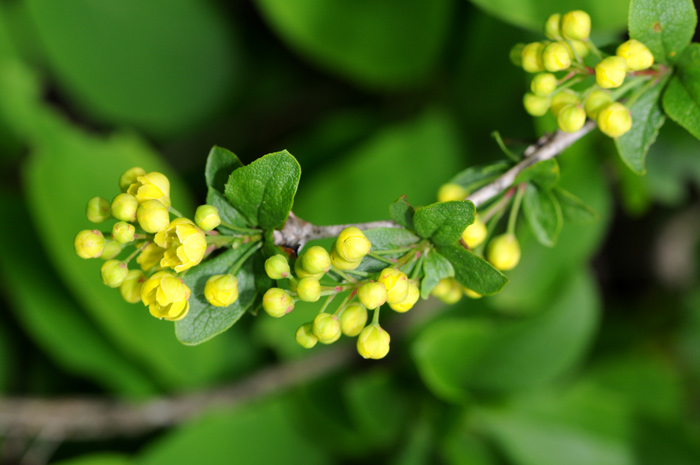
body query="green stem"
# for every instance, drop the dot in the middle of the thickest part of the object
(515, 208)
(362, 274)
(239, 263)
(639, 92)
(344, 302)
(417, 268)
(381, 259)
(137, 251)
(220, 240)
(175, 212)
(240, 230)
(327, 302)
(343, 275)
(629, 84)
(594, 49)
(496, 207)
(375, 317)
(393, 251)
(571, 82)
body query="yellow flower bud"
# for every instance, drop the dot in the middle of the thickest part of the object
(576, 25)
(151, 186)
(615, 120)
(302, 273)
(596, 101)
(316, 260)
(353, 319)
(471, 294)
(184, 244)
(97, 210)
(535, 105)
(129, 177)
(372, 295)
(326, 328)
(562, 99)
(153, 216)
(166, 296)
(636, 54)
(451, 191)
(352, 245)
(277, 303)
(551, 27)
(130, 289)
(555, 57)
(221, 290)
(543, 84)
(531, 57)
(410, 300)
(111, 250)
(207, 217)
(342, 264)
(123, 232)
(611, 72)
(305, 336)
(516, 55)
(309, 289)
(396, 284)
(124, 207)
(504, 252)
(277, 267)
(150, 256)
(577, 49)
(373, 342)
(114, 272)
(474, 234)
(448, 290)
(89, 244)
(571, 118)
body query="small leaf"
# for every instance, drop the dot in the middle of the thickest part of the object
(444, 222)
(204, 321)
(472, 271)
(574, 209)
(545, 174)
(264, 190)
(402, 212)
(666, 27)
(476, 176)
(681, 99)
(435, 267)
(227, 213)
(543, 213)
(220, 164)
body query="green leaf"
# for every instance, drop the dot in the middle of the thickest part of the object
(545, 174)
(681, 99)
(204, 321)
(543, 213)
(227, 213)
(221, 163)
(647, 119)
(264, 190)
(574, 209)
(435, 267)
(665, 26)
(386, 239)
(402, 212)
(476, 176)
(472, 271)
(504, 148)
(444, 222)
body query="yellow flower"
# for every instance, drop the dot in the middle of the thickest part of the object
(221, 290)
(352, 245)
(130, 176)
(504, 252)
(207, 217)
(166, 296)
(305, 336)
(636, 54)
(396, 284)
(611, 72)
(373, 342)
(150, 256)
(130, 289)
(153, 216)
(184, 242)
(151, 186)
(410, 300)
(475, 233)
(353, 319)
(89, 244)
(97, 210)
(451, 191)
(372, 295)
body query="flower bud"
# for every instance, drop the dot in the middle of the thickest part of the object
(305, 336)
(89, 244)
(207, 217)
(471, 294)
(596, 101)
(342, 264)
(153, 216)
(576, 25)
(221, 290)
(166, 296)
(571, 118)
(111, 250)
(410, 300)
(536, 106)
(124, 207)
(114, 272)
(474, 234)
(123, 232)
(372, 295)
(150, 256)
(577, 49)
(611, 72)
(448, 290)
(130, 176)
(373, 342)
(555, 57)
(316, 260)
(562, 99)
(277, 267)
(531, 57)
(97, 210)
(151, 186)
(543, 84)
(615, 120)
(277, 303)
(451, 191)
(302, 273)
(396, 284)
(352, 245)
(552, 27)
(326, 328)
(516, 55)
(504, 252)
(636, 54)
(309, 289)
(353, 319)
(130, 289)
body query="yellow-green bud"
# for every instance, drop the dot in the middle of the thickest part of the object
(474, 234)
(130, 289)
(516, 55)
(153, 216)
(277, 267)
(576, 25)
(611, 72)
(302, 273)
(97, 210)
(309, 289)
(221, 290)
(277, 303)
(551, 27)
(555, 57)
(543, 84)
(326, 328)
(353, 319)
(305, 336)
(373, 342)
(352, 245)
(316, 260)
(114, 273)
(151, 186)
(396, 284)
(372, 295)
(451, 191)
(129, 177)
(535, 105)
(89, 244)
(124, 207)
(123, 232)
(207, 217)
(636, 54)
(448, 290)
(111, 250)
(341, 263)
(410, 300)
(615, 120)
(577, 49)
(596, 101)
(504, 252)
(531, 57)
(150, 256)
(471, 294)
(571, 118)
(562, 99)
